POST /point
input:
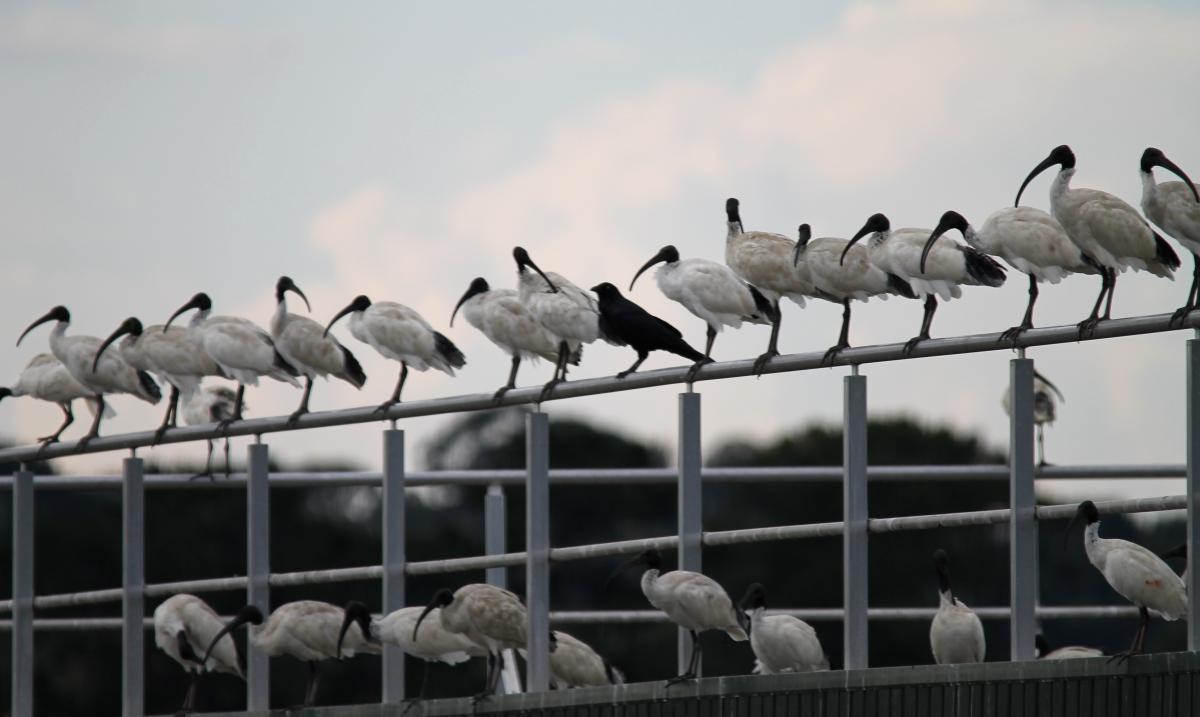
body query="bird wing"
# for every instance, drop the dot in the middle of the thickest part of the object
(1033, 242)
(499, 615)
(765, 260)
(575, 663)
(1143, 578)
(704, 601)
(1180, 215)
(178, 352)
(508, 324)
(796, 641)
(305, 346)
(202, 625)
(400, 333)
(714, 287)
(1116, 226)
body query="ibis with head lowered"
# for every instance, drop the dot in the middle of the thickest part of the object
(192, 634)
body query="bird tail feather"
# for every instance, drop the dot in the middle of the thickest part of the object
(354, 370)
(150, 386)
(983, 268)
(1165, 259)
(448, 351)
(900, 287)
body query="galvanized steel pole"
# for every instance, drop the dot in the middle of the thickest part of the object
(393, 557)
(22, 594)
(690, 500)
(258, 569)
(1022, 521)
(133, 582)
(1193, 490)
(537, 547)
(495, 533)
(854, 511)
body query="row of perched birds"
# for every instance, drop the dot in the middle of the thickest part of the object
(1088, 231)
(479, 620)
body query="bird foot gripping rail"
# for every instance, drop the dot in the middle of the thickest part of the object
(1022, 516)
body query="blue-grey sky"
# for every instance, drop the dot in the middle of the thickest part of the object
(156, 149)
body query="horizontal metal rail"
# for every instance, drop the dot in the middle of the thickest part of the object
(622, 547)
(609, 476)
(1134, 326)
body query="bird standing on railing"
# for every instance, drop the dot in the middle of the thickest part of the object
(242, 349)
(210, 404)
(109, 375)
(956, 634)
(400, 334)
(765, 261)
(1175, 208)
(708, 289)
(573, 663)
(46, 379)
(692, 601)
(307, 346)
(1045, 408)
(1105, 228)
(501, 316)
(491, 617)
(628, 323)
(433, 644)
(174, 355)
(781, 643)
(1136, 573)
(1066, 652)
(856, 278)
(192, 634)
(1030, 240)
(940, 272)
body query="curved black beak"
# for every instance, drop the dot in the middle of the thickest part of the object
(1041, 167)
(248, 614)
(478, 286)
(867, 229)
(661, 256)
(51, 315)
(804, 234)
(526, 260)
(941, 229)
(293, 288)
(428, 609)
(193, 303)
(1170, 166)
(348, 310)
(127, 327)
(1071, 526)
(356, 612)
(625, 565)
(1053, 388)
(441, 598)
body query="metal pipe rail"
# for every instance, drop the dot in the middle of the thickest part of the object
(855, 356)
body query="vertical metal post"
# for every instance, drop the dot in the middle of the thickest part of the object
(495, 532)
(133, 635)
(1193, 490)
(1022, 526)
(258, 569)
(22, 594)
(537, 545)
(854, 513)
(393, 556)
(690, 504)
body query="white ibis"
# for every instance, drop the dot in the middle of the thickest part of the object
(400, 334)
(1066, 652)
(956, 634)
(947, 267)
(781, 643)
(1031, 241)
(192, 634)
(573, 663)
(110, 375)
(210, 404)
(569, 313)
(1175, 208)
(1137, 574)
(491, 617)
(766, 262)
(709, 290)
(46, 379)
(501, 316)
(175, 355)
(856, 278)
(628, 323)
(693, 601)
(1105, 228)
(242, 349)
(307, 346)
(434, 643)
(1045, 408)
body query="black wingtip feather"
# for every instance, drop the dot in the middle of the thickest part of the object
(150, 385)
(449, 351)
(901, 287)
(1164, 253)
(760, 302)
(282, 363)
(983, 268)
(354, 370)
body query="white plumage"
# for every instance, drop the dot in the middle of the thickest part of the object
(46, 379)
(434, 643)
(1106, 228)
(192, 634)
(781, 643)
(111, 374)
(210, 404)
(492, 618)
(1045, 408)
(1175, 208)
(1067, 652)
(573, 663)
(400, 334)
(956, 634)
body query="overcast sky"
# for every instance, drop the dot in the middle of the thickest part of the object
(152, 150)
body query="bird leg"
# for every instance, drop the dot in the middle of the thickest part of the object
(926, 322)
(489, 683)
(1041, 446)
(303, 409)
(1088, 325)
(68, 419)
(1027, 322)
(412, 701)
(1112, 287)
(314, 678)
(693, 662)
(710, 336)
(95, 429)
(237, 410)
(169, 420)
(641, 357)
(207, 473)
(1182, 312)
(559, 366)
(512, 379)
(1139, 638)
(760, 363)
(843, 337)
(395, 394)
(189, 697)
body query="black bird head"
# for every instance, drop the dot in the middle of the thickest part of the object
(668, 253)
(731, 211)
(360, 303)
(247, 615)
(803, 234)
(1051, 386)
(1153, 157)
(284, 285)
(441, 598)
(606, 290)
(478, 286)
(950, 220)
(875, 223)
(200, 302)
(1039, 642)
(130, 326)
(649, 559)
(1060, 155)
(754, 598)
(1085, 512)
(941, 563)
(58, 313)
(356, 613)
(522, 258)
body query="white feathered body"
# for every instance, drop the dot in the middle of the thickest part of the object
(899, 252)
(783, 643)
(1045, 405)
(242, 349)
(1173, 207)
(210, 404)
(711, 291)
(1030, 241)
(569, 314)
(693, 601)
(112, 374)
(1107, 228)
(1140, 576)
(401, 334)
(1071, 652)
(956, 634)
(501, 316)
(857, 278)
(764, 260)
(491, 617)
(434, 643)
(573, 663)
(176, 357)
(308, 630)
(200, 624)
(304, 344)
(46, 379)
